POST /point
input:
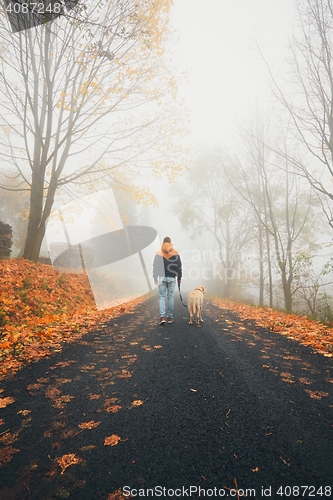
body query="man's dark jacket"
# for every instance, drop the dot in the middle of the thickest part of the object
(167, 263)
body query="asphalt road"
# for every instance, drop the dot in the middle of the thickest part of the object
(174, 411)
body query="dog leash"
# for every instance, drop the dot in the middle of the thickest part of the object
(181, 298)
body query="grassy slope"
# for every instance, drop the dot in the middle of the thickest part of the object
(41, 308)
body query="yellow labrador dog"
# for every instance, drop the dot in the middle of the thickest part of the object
(194, 304)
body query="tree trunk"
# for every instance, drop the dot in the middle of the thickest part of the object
(34, 240)
(269, 264)
(287, 296)
(261, 264)
(38, 217)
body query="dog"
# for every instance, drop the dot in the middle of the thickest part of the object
(194, 304)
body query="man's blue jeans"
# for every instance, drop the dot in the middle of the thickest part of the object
(166, 287)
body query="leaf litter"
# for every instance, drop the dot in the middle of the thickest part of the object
(41, 308)
(305, 331)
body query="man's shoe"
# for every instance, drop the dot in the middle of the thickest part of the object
(162, 320)
(169, 320)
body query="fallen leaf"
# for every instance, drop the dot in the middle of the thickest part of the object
(112, 440)
(6, 401)
(117, 495)
(316, 394)
(137, 402)
(89, 425)
(9, 438)
(24, 412)
(94, 396)
(67, 460)
(6, 454)
(113, 408)
(124, 374)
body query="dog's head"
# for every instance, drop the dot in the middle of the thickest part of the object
(202, 289)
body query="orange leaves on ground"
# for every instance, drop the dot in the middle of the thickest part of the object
(113, 408)
(40, 308)
(8, 437)
(94, 396)
(300, 328)
(316, 394)
(112, 440)
(118, 495)
(6, 401)
(52, 392)
(124, 374)
(89, 425)
(67, 460)
(304, 381)
(5, 345)
(136, 403)
(62, 400)
(110, 405)
(6, 454)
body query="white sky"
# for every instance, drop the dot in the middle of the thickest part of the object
(227, 77)
(215, 43)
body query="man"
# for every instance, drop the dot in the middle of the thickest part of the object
(167, 268)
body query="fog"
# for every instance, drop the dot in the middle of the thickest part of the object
(241, 202)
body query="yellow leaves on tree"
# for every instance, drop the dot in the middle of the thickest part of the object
(154, 17)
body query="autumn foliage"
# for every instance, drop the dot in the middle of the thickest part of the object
(307, 332)
(40, 308)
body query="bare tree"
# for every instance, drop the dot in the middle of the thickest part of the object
(208, 206)
(280, 202)
(307, 94)
(311, 285)
(82, 97)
